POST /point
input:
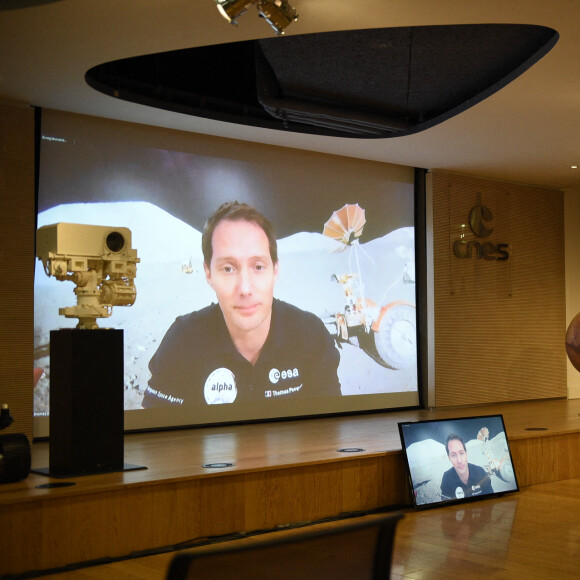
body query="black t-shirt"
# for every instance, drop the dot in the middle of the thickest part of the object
(197, 364)
(477, 484)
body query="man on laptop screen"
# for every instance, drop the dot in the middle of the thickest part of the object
(464, 479)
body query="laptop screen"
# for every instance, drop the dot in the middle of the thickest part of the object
(455, 460)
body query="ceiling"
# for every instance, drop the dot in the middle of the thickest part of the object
(371, 83)
(527, 132)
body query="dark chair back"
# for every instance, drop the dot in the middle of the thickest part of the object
(354, 549)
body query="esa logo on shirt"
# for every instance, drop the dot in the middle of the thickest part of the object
(275, 375)
(220, 387)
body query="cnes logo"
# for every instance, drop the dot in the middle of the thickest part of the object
(480, 223)
(478, 217)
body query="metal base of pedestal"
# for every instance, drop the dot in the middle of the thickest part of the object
(46, 471)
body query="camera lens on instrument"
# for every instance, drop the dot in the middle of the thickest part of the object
(115, 242)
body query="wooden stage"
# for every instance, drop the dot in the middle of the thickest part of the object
(276, 475)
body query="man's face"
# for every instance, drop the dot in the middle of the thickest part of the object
(242, 275)
(458, 457)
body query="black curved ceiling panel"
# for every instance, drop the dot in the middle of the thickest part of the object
(374, 83)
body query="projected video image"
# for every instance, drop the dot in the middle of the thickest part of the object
(346, 263)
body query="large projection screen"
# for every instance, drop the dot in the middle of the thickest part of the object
(163, 184)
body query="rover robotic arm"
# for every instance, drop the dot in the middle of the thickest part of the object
(98, 259)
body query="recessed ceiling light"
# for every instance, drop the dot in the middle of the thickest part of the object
(574, 167)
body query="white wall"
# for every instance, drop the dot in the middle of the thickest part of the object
(572, 239)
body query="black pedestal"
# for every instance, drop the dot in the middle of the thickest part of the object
(86, 402)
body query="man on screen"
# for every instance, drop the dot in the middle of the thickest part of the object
(464, 479)
(250, 347)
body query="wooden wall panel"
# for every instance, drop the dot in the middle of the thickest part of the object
(63, 529)
(499, 324)
(16, 263)
(546, 459)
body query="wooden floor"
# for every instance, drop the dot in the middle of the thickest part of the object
(531, 534)
(296, 471)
